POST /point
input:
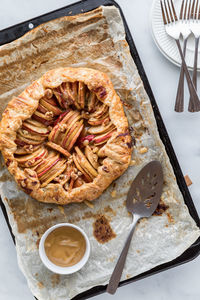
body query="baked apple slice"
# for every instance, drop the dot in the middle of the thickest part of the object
(88, 138)
(46, 119)
(22, 141)
(98, 121)
(66, 94)
(48, 167)
(85, 163)
(101, 139)
(61, 116)
(58, 148)
(81, 94)
(71, 114)
(79, 167)
(75, 137)
(47, 162)
(57, 128)
(71, 90)
(70, 123)
(101, 129)
(78, 182)
(25, 150)
(92, 157)
(48, 116)
(42, 109)
(57, 169)
(100, 111)
(92, 99)
(27, 135)
(32, 128)
(70, 132)
(50, 107)
(30, 160)
(51, 100)
(74, 91)
(35, 123)
(59, 96)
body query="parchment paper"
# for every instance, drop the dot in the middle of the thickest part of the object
(95, 39)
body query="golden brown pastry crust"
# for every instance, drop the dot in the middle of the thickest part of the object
(117, 150)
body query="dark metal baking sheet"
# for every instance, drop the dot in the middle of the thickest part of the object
(16, 31)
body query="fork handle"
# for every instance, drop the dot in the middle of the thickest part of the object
(117, 273)
(179, 105)
(193, 93)
(194, 77)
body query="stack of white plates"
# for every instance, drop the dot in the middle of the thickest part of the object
(166, 44)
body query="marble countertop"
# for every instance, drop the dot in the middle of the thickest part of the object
(180, 283)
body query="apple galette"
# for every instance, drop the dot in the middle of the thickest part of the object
(65, 138)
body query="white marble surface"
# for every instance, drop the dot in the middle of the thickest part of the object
(181, 283)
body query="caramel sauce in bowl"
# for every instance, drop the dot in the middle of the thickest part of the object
(64, 248)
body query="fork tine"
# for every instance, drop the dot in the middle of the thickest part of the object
(173, 10)
(165, 6)
(199, 13)
(163, 13)
(181, 11)
(170, 12)
(188, 16)
(192, 10)
(196, 8)
(185, 11)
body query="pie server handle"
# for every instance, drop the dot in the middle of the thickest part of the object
(116, 275)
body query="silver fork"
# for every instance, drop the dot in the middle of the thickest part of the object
(173, 29)
(185, 31)
(195, 28)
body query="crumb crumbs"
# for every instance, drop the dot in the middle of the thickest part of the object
(143, 150)
(40, 285)
(113, 194)
(61, 209)
(89, 204)
(170, 218)
(138, 251)
(132, 162)
(188, 180)
(128, 276)
(111, 259)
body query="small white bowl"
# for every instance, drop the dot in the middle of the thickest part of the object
(63, 270)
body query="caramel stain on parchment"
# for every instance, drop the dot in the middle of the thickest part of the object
(161, 208)
(170, 218)
(109, 209)
(102, 230)
(90, 214)
(29, 214)
(6, 176)
(55, 279)
(40, 285)
(74, 220)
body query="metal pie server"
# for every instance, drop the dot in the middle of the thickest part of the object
(142, 200)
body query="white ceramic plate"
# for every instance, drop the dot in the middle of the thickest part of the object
(166, 44)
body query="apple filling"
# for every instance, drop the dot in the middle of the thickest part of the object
(60, 142)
